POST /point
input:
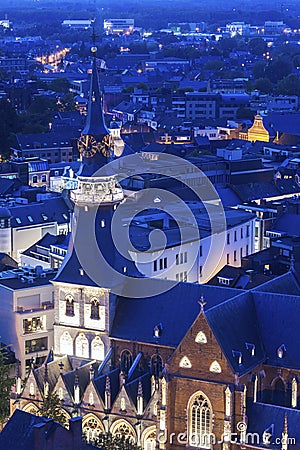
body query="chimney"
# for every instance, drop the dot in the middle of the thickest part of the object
(75, 427)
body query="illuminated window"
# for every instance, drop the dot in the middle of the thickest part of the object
(199, 421)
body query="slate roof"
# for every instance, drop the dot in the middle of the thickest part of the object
(234, 324)
(284, 284)
(278, 316)
(53, 372)
(135, 318)
(262, 416)
(285, 123)
(100, 383)
(47, 211)
(287, 223)
(83, 374)
(19, 431)
(70, 270)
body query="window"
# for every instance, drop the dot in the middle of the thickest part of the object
(234, 255)
(123, 428)
(34, 179)
(235, 235)
(155, 266)
(247, 250)
(69, 306)
(248, 231)
(242, 233)
(150, 439)
(228, 238)
(199, 421)
(66, 344)
(44, 178)
(126, 361)
(36, 345)
(95, 309)
(241, 252)
(227, 258)
(97, 349)
(200, 270)
(201, 251)
(82, 346)
(30, 219)
(91, 427)
(156, 365)
(33, 324)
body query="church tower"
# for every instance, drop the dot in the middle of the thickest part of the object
(83, 303)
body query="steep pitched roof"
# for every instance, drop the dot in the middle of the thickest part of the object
(135, 319)
(278, 319)
(261, 417)
(234, 324)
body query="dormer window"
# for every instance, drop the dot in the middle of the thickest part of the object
(237, 356)
(30, 219)
(223, 280)
(157, 330)
(281, 351)
(102, 223)
(251, 348)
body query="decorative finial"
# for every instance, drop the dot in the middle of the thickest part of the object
(61, 366)
(202, 303)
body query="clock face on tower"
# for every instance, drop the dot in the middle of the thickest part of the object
(106, 145)
(87, 145)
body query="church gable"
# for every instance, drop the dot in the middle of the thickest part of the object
(61, 390)
(199, 354)
(31, 388)
(91, 399)
(123, 404)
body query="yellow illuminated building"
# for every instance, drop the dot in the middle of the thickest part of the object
(258, 132)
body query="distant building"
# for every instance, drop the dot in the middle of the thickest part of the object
(78, 24)
(26, 313)
(118, 26)
(240, 28)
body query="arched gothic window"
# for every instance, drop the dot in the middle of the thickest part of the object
(156, 365)
(82, 346)
(69, 305)
(95, 309)
(199, 421)
(97, 349)
(91, 427)
(66, 344)
(149, 440)
(123, 428)
(126, 360)
(279, 392)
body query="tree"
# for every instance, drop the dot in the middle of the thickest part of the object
(289, 85)
(257, 46)
(263, 85)
(51, 408)
(6, 383)
(107, 441)
(60, 85)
